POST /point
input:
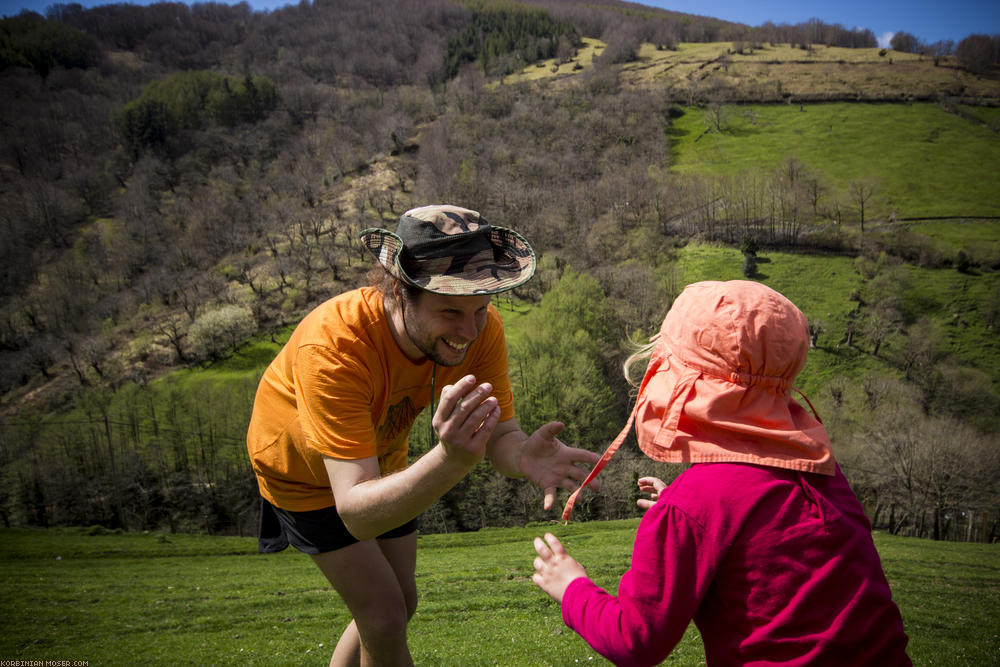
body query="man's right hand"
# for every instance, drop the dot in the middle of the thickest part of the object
(465, 419)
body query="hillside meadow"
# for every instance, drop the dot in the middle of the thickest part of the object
(927, 162)
(777, 72)
(157, 599)
(641, 172)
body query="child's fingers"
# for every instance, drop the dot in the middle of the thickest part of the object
(543, 551)
(555, 544)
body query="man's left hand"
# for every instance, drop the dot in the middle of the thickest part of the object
(550, 464)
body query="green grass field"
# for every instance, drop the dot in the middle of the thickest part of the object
(929, 163)
(159, 599)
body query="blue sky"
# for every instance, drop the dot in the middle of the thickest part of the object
(928, 20)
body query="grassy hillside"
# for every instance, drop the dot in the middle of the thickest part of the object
(821, 286)
(158, 599)
(929, 162)
(122, 273)
(824, 296)
(780, 72)
(889, 140)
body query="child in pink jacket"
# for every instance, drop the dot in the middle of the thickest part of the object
(761, 542)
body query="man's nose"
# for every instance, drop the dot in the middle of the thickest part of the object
(467, 327)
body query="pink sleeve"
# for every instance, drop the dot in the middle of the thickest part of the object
(672, 568)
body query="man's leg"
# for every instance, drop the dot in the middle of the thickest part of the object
(401, 552)
(367, 577)
(347, 652)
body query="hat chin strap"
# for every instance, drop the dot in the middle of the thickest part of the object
(613, 447)
(599, 466)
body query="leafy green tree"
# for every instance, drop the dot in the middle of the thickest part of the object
(962, 262)
(502, 40)
(246, 101)
(560, 368)
(185, 101)
(28, 40)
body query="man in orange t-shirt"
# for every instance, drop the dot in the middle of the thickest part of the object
(329, 429)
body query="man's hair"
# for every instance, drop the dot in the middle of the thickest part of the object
(385, 283)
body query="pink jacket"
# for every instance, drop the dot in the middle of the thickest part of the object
(774, 566)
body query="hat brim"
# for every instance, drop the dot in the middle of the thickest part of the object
(688, 415)
(508, 264)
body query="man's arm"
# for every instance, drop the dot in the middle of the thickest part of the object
(370, 505)
(540, 457)
(504, 448)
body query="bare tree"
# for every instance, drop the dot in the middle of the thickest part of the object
(716, 113)
(878, 325)
(977, 53)
(924, 472)
(922, 348)
(904, 42)
(863, 192)
(175, 332)
(816, 328)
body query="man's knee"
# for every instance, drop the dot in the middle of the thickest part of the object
(384, 624)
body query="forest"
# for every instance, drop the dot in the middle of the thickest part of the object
(180, 184)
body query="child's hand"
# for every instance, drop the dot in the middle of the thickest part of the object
(654, 487)
(554, 568)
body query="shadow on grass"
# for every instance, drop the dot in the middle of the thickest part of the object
(740, 131)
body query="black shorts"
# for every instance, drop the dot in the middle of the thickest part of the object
(312, 532)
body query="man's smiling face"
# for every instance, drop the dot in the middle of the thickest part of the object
(442, 327)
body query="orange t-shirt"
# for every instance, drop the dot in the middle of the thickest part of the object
(341, 387)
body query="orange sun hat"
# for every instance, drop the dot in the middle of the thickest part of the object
(718, 384)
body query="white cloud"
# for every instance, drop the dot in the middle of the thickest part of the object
(885, 38)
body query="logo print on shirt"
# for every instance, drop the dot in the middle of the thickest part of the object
(398, 419)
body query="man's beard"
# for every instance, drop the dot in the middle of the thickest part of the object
(425, 342)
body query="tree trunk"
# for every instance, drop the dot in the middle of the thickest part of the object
(876, 514)
(114, 474)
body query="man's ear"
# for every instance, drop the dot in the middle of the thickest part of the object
(397, 293)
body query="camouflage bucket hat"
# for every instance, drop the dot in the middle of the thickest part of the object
(453, 251)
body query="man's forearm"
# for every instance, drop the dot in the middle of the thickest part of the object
(376, 506)
(504, 449)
